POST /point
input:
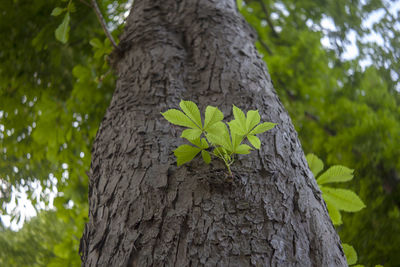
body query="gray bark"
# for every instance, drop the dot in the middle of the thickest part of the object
(145, 211)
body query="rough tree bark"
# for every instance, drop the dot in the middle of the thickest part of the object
(145, 211)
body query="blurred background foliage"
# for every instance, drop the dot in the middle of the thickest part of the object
(344, 103)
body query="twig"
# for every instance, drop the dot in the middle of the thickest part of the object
(270, 24)
(266, 47)
(103, 24)
(102, 77)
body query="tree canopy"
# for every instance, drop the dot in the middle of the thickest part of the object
(56, 83)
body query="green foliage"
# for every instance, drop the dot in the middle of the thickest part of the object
(316, 165)
(57, 11)
(335, 174)
(52, 99)
(239, 4)
(54, 95)
(62, 30)
(39, 243)
(336, 199)
(344, 111)
(101, 48)
(351, 254)
(223, 143)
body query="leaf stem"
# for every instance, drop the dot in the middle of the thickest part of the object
(221, 156)
(229, 170)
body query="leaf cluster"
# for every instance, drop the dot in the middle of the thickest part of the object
(337, 199)
(62, 31)
(211, 136)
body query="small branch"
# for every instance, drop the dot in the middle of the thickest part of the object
(266, 47)
(103, 24)
(102, 77)
(290, 94)
(267, 17)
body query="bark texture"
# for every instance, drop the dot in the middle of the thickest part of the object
(145, 211)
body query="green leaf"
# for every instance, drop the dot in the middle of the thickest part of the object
(71, 7)
(239, 116)
(96, 43)
(192, 111)
(62, 30)
(99, 53)
(185, 153)
(263, 127)
(81, 73)
(334, 213)
(227, 142)
(254, 141)
(350, 253)
(177, 117)
(217, 140)
(335, 174)
(237, 128)
(315, 163)
(57, 11)
(212, 116)
(236, 140)
(204, 143)
(239, 4)
(242, 149)
(60, 251)
(342, 199)
(200, 143)
(191, 134)
(206, 156)
(221, 138)
(248, 126)
(216, 128)
(253, 118)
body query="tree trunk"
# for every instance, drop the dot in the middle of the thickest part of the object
(145, 211)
